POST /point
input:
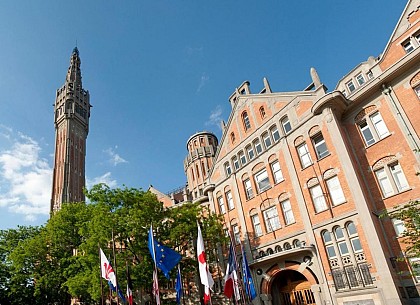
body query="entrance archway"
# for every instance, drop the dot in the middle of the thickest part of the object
(291, 287)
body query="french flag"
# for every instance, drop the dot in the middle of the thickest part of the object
(231, 277)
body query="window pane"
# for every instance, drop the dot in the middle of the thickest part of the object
(277, 173)
(320, 146)
(262, 181)
(257, 225)
(331, 251)
(384, 182)
(338, 233)
(318, 199)
(271, 217)
(267, 140)
(399, 177)
(336, 192)
(367, 134)
(286, 125)
(360, 79)
(221, 205)
(326, 236)
(380, 126)
(343, 248)
(304, 155)
(248, 189)
(242, 157)
(287, 211)
(245, 119)
(250, 151)
(355, 243)
(228, 169)
(236, 163)
(351, 86)
(399, 226)
(230, 200)
(258, 147)
(351, 229)
(275, 134)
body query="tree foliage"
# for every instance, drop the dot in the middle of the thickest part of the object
(60, 260)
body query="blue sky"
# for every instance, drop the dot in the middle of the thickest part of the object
(157, 72)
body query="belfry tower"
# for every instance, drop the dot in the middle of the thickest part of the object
(72, 112)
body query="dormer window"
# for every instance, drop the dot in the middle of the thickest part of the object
(408, 46)
(360, 79)
(350, 86)
(245, 120)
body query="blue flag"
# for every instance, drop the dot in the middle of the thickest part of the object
(119, 292)
(178, 287)
(164, 257)
(247, 277)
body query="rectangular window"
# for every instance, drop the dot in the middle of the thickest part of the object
(286, 125)
(366, 133)
(360, 79)
(399, 226)
(228, 169)
(221, 205)
(289, 218)
(248, 189)
(384, 182)
(356, 245)
(351, 86)
(342, 246)
(250, 151)
(277, 174)
(318, 198)
(415, 266)
(379, 124)
(408, 46)
(399, 177)
(275, 134)
(258, 147)
(335, 190)
(271, 218)
(305, 157)
(330, 251)
(257, 225)
(370, 75)
(263, 183)
(242, 157)
(236, 163)
(267, 140)
(320, 146)
(231, 206)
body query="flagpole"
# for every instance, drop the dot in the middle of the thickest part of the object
(235, 285)
(115, 264)
(100, 275)
(157, 296)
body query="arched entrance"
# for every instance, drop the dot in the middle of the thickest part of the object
(291, 287)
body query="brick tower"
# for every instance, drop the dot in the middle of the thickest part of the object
(72, 112)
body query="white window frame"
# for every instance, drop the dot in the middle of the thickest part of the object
(271, 219)
(375, 126)
(318, 198)
(285, 123)
(235, 162)
(319, 143)
(350, 85)
(257, 225)
(267, 140)
(289, 217)
(354, 238)
(341, 242)
(236, 234)
(262, 181)
(399, 226)
(229, 198)
(258, 147)
(329, 245)
(248, 189)
(242, 157)
(277, 173)
(245, 120)
(250, 152)
(391, 179)
(228, 169)
(221, 203)
(370, 74)
(360, 79)
(408, 46)
(275, 133)
(335, 191)
(304, 155)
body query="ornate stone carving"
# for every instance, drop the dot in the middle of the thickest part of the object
(384, 161)
(362, 114)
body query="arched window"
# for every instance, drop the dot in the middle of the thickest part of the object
(354, 237)
(328, 243)
(232, 137)
(245, 120)
(256, 222)
(285, 123)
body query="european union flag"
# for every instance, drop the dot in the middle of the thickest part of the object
(247, 277)
(178, 287)
(164, 257)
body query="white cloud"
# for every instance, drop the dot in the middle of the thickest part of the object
(114, 158)
(105, 178)
(203, 81)
(25, 177)
(215, 117)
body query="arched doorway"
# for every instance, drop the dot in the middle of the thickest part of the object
(291, 288)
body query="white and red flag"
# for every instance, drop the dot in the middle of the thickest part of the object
(106, 270)
(155, 289)
(129, 288)
(231, 277)
(205, 275)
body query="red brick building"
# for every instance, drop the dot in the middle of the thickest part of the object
(301, 178)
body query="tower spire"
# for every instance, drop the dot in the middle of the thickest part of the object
(72, 112)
